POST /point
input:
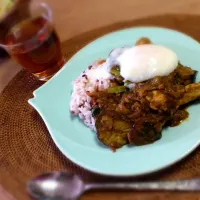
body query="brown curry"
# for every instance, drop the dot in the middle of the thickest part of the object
(138, 115)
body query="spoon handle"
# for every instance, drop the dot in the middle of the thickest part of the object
(181, 185)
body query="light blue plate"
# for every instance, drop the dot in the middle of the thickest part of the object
(80, 144)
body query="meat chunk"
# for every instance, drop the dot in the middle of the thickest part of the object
(158, 100)
(192, 92)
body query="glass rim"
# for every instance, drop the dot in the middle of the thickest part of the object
(49, 11)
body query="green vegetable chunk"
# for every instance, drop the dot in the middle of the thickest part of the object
(116, 89)
(115, 72)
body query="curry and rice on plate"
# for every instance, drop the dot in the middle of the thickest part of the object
(129, 97)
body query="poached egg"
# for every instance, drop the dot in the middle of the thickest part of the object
(141, 63)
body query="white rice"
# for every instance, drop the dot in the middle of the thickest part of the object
(93, 77)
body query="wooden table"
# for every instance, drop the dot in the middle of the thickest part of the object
(73, 17)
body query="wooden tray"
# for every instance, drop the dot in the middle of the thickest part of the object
(26, 148)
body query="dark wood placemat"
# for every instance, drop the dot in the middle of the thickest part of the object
(26, 148)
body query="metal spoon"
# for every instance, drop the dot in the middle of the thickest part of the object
(66, 186)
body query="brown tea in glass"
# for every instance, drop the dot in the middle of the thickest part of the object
(34, 43)
(11, 12)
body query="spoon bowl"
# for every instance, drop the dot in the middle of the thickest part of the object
(54, 186)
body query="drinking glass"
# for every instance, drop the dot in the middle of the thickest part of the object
(34, 43)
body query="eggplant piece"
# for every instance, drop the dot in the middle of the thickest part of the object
(112, 129)
(143, 133)
(185, 74)
(96, 111)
